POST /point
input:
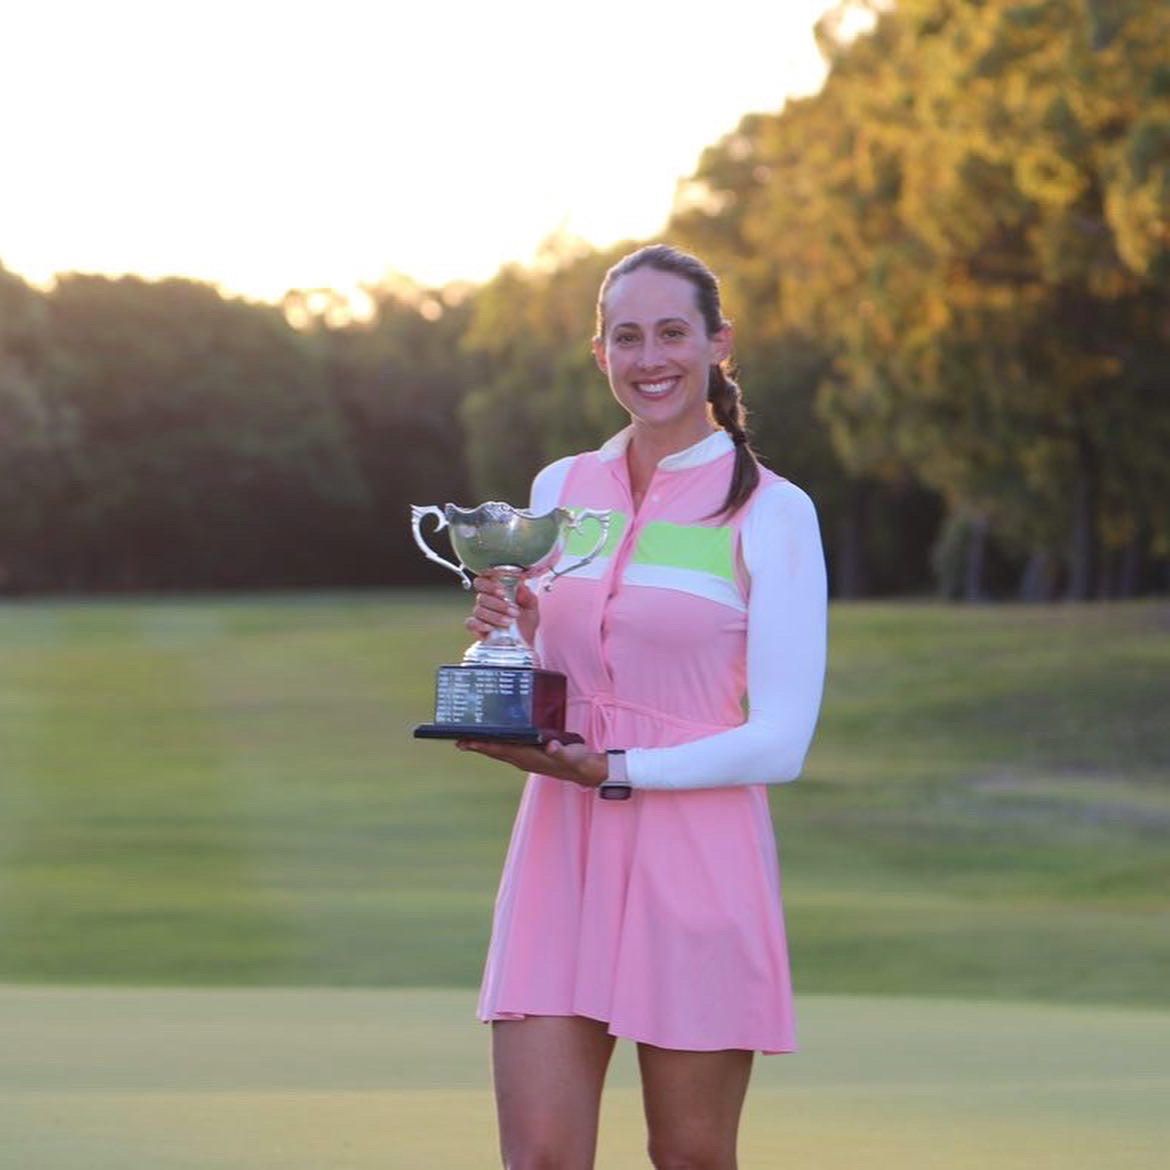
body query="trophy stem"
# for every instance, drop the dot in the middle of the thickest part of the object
(509, 577)
(503, 647)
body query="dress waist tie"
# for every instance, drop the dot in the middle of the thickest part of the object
(593, 716)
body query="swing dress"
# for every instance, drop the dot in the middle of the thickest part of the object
(661, 915)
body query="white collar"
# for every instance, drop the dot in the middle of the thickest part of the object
(714, 446)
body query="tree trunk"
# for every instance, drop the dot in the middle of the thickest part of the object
(974, 560)
(1036, 582)
(1130, 578)
(1082, 552)
(849, 575)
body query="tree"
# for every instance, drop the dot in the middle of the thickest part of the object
(38, 437)
(539, 394)
(776, 208)
(209, 452)
(398, 381)
(970, 220)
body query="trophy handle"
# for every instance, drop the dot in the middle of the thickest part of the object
(417, 513)
(573, 524)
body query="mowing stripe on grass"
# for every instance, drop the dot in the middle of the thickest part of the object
(398, 1080)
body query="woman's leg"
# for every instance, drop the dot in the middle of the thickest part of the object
(548, 1072)
(693, 1102)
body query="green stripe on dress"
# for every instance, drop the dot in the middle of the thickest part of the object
(687, 546)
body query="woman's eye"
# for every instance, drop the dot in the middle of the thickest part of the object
(672, 334)
(624, 339)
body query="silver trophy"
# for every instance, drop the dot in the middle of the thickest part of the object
(499, 691)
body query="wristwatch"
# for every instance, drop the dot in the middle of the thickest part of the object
(616, 786)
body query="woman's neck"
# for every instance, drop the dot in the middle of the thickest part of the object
(647, 449)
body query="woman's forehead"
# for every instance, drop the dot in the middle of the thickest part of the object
(647, 295)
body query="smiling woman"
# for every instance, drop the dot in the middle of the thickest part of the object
(264, 147)
(641, 895)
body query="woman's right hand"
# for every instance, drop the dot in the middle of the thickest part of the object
(492, 612)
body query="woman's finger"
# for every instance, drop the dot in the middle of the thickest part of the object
(492, 601)
(493, 615)
(488, 585)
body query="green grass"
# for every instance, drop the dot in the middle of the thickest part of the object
(225, 791)
(133, 1079)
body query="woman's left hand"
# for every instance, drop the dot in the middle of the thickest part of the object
(572, 761)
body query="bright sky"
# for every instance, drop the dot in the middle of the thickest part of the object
(269, 144)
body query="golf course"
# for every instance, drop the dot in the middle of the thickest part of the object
(243, 911)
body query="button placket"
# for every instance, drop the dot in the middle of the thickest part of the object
(621, 557)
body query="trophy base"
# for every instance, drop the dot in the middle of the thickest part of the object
(513, 704)
(529, 735)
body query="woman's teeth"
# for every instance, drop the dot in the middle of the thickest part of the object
(655, 389)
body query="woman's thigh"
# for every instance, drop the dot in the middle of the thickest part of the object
(693, 1103)
(548, 1073)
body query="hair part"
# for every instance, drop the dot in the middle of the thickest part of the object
(724, 397)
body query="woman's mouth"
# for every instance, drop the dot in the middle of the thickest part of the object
(656, 389)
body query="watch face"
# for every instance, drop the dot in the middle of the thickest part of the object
(617, 767)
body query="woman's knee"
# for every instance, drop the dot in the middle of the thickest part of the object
(669, 1152)
(542, 1152)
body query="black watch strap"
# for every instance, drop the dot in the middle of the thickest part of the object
(617, 786)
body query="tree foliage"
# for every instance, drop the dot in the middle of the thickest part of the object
(971, 221)
(38, 434)
(208, 451)
(398, 381)
(949, 272)
(538, 394)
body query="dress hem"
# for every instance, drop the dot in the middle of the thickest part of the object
(502, 1017)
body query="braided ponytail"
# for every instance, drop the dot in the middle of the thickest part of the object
(726, 404)
(723, 394)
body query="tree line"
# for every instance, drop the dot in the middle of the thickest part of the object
(949, 272)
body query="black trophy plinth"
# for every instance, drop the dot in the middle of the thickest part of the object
(516, 704)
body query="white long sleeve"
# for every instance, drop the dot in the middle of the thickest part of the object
(786, 656)
(546, 487)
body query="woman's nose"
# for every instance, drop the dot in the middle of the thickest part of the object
(649, 357)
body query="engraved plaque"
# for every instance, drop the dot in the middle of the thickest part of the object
(498, 702)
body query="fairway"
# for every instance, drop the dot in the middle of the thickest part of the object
(231, 883)
(95, 1079)
(224, 791)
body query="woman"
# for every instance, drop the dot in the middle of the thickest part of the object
(656, 918)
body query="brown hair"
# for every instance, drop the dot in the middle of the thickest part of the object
(724, 398)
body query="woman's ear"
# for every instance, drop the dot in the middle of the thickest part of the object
(724, 342)
(599, 355)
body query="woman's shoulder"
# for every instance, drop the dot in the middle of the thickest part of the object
(777, 495)
(779, 513)
(550, 480)
(546, 487)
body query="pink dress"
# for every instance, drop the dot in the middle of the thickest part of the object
(660, 915)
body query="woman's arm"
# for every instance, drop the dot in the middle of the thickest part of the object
(786, 654)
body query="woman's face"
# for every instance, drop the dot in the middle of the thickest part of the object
(657, 354)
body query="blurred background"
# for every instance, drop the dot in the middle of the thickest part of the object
(271, 278)
(271, 273)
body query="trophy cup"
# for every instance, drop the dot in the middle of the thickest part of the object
(499, 691)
